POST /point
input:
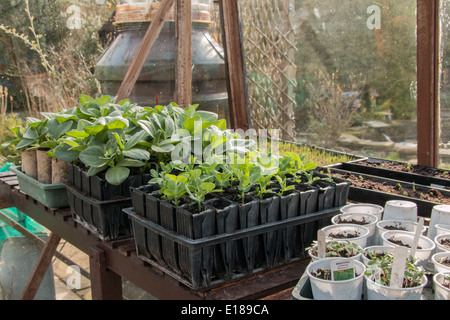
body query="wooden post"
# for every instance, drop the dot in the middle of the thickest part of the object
(41, 267)
(183, 28)
(144, 50)
(105, 284)
(428, 82)
(235, 64)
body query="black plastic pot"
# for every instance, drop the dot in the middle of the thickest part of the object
(269, 210)
(249, 249)
(145, 202)
(226, 218)
(304, 233)
(198, 266)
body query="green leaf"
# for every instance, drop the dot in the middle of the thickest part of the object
(103, 100)
(24, 143)
(77, 134)
(135, 139)
(48, 144)
(65, 117)
(93, 171)
(117, 175)
(136, 153)
(148, 127)
(117, 124)
(207, 186)
(125, 162)
(57, 129)
(163, 149)
(84, 98)
(63, 153)
(93, 157)
(93, 130)
(118, 140)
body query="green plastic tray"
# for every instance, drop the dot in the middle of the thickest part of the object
(52, 196)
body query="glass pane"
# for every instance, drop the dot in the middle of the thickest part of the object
(338, 74)
(51, 51)
(444, 151)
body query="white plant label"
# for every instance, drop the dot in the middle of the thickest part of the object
(342, 269)
(398, 267)
(321, 244)
(416, 237)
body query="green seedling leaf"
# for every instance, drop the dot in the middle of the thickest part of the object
(85, 98)
(93, 157)
(125, 162)
(117, 175)
(136, 153)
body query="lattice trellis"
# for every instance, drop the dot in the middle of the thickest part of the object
(270, 48)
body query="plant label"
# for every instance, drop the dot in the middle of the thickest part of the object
(342, 270)
(416, 237)
(321, 244)
(398, 267)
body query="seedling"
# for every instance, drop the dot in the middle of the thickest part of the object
(383, 267)
(342, 249)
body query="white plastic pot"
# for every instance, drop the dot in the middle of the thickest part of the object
(408, 226)
(438, 267)
(364, 208)
(426, 245)
(336, 290)
(376, 249)
(439, 215)
(440, 292)
(377, 291)
(441, 228)
(314, 257)
(370, 218)
(400, 210)
(361, 231)
(437, 241)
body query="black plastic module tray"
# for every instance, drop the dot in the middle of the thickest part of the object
(193, 248)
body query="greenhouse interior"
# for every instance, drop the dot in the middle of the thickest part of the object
(217, 150)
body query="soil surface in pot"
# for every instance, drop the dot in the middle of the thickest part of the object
(405, 167)
(394, 227)
(433, 195)
(446, 283)
(344, 235)
(445, 242)
(401, 243)
(353, 221)
(444, 261)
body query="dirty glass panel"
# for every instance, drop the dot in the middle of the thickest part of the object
(338, 74)
(51, 51)
(444, 150)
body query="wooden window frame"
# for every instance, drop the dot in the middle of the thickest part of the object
(428, 126)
